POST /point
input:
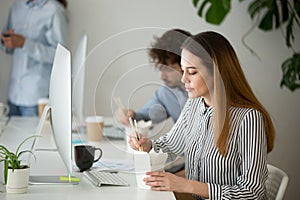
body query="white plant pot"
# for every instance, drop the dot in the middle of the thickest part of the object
(17, 180)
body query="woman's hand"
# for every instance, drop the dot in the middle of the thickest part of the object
(143, 143)
(164, 181)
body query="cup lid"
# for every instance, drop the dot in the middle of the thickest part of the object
(43, 100)
(94, 119)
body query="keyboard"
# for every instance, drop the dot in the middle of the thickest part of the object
(114, 133)
(100, 178)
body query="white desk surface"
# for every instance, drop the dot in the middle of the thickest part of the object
(49, 163)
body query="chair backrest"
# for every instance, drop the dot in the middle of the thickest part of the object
(276, 183)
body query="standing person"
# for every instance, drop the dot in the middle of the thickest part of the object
(170, 98)
(33, 30)
(225, 143)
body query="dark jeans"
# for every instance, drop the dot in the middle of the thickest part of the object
(15, 110)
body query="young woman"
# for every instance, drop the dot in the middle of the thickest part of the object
(223, 131)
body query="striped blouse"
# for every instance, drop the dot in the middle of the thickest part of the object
(242, 173)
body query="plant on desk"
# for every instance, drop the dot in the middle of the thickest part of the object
(16, 175)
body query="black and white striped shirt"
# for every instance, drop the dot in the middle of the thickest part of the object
(242, 173)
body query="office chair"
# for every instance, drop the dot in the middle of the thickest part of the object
(276, 183)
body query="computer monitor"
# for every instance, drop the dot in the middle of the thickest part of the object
(60, 113)
(78, 77)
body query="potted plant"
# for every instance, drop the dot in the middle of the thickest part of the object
(16, 174)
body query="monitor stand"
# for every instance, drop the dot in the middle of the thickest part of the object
(53, 180)
(48, 180)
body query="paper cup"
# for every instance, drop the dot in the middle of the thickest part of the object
(41, 105)
(94, 128)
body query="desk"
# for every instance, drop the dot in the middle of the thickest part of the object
(20, 128)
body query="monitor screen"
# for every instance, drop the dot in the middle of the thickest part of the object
(60, 104)
(60, 107)
(78, 77)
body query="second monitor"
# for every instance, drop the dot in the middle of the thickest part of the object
(78, 81)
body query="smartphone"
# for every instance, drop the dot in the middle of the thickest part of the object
(6, 34)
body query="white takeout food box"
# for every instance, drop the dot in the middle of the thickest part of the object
(144, 127)
(146, 162)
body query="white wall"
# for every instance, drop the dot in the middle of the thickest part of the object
(5, 60)
(117, 64)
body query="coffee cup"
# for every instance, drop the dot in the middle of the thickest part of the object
(94, 128)
(85, 156)
(42, 102)
(4, 109)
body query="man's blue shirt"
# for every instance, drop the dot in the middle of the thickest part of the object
(167, 102)
(43, 23)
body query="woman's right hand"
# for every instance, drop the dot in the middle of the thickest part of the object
(144, 144)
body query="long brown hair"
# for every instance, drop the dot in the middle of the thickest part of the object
(231, 87)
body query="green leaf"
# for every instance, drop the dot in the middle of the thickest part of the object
(217, 10)
(297, 7)
(33, 136)
(266, 23)
(200, 11)
(284, 10)
(270, 11)
(3, 150)
(195, 3)
(256, 6)
(26, 151)
(289, 32)
(5, 170)
(291, 73)
(276, 15)
(11, 157)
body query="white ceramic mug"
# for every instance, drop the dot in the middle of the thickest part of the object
(4, 109)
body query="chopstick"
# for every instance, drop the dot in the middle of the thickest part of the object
(135, 129)
(137, 135)
(119, 102)
(134, 126)
(120, 105)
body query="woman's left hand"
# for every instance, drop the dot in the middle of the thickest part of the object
(164, 181)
